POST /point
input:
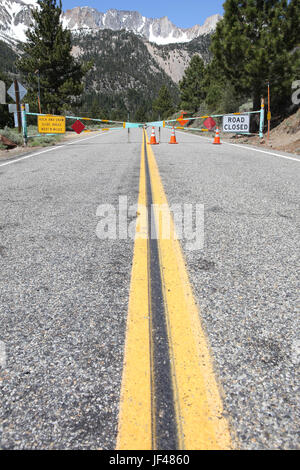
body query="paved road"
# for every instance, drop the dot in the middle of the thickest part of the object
(65, 292)
(246, 279)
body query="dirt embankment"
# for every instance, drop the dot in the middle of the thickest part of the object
(285, 137)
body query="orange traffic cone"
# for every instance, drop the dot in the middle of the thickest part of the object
(217, 137)
(173, 137)
(153, 138)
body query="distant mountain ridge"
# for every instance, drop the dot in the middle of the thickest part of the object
(157, 30)
(15, 18)
(132, 56)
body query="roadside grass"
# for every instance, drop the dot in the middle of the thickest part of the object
(12, 134)
(36, 141)
(44, 141)
(41, 140)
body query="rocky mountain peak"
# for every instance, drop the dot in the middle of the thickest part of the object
(15, 18)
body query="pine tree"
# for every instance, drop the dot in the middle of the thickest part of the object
(221, 95)
(141, 114)
(48, 53)
(95, 110)
(252, 45)
(192, 85)
(163, 105)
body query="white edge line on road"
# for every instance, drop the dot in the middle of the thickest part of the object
(245, 147)
(52, 148)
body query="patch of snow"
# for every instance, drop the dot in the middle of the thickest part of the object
(160, 40)
(142, 25)
(13, 7)
(19, 32)
(169, 40)
(65, 22)
(30, 2)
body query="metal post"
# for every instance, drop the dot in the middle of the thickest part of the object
(269, 112)
(24, 124)
(128, 117)
(17, 93)
(159, 130)
(262, 119)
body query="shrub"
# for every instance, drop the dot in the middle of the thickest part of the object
(12, 135)
(43, 141)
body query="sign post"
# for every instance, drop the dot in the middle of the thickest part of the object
(17, 94)
(24, 123)
(262, 119)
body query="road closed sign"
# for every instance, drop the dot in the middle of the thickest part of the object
(51, 124)
(240, 123)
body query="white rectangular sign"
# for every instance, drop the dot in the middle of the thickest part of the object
(239, 124)
(12, 108)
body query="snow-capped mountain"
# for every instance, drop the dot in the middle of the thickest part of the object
(15, 17)
(158, 30)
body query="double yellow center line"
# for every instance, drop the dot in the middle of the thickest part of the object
(169, 396)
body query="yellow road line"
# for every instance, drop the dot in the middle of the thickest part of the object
(199, 408)
(135, 424)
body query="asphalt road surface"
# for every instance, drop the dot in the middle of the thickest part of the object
(65, 293)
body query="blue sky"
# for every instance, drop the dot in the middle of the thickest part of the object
(184, 13)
